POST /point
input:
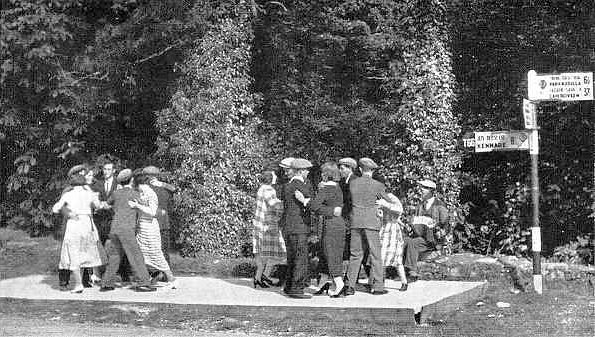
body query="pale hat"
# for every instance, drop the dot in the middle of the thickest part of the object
(76, 169)
(152, 170)
(124, 175)
(300, 163)
(348, 162)
(427, 183)
(367, 163)
(286, 163)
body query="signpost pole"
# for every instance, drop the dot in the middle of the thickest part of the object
(535, 229)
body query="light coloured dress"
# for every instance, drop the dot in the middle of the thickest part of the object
(81, 247)
(149, 235)
(391, 236)
(267, 239)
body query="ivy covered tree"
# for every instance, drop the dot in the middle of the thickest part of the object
(209, 136)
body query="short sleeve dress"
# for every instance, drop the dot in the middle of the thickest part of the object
(81, 247)
(391, 236)
(149, 235)
(267, 240)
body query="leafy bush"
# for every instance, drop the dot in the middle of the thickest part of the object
(579, 251)
(209, 137)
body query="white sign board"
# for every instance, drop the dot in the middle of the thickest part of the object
(560, 87)
(529, 114)
(501, 141)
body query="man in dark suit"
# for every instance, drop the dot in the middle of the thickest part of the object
(122, 237)
(365, 228)
(431, 216)
(296, 229)
(346, 168)
(104, 187)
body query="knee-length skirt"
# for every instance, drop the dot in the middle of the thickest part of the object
(392, 242)
(268, 242)
(81, 247)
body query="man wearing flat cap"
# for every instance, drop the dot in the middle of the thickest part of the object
(296, 228)
(346, 167)
(365, 228)
(164, 193)
(430, 217)
(123, 238)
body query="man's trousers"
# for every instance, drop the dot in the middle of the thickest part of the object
(366, 240)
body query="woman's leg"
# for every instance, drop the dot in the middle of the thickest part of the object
(259, 267)
(78, 280)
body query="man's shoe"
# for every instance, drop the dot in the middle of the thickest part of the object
(144, 289)
(378, 292)
(300, 296)
(107, 288)
(64, 288)
(403, 287)
(350, 291)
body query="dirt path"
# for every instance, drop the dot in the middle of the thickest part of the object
(19, 326)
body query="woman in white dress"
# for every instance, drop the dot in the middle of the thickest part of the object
(149, 235)
(81, 247)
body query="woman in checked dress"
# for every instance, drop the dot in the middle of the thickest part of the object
(267, 242)
(148, 235)
(391, 236)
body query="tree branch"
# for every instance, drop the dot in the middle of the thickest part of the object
(177, 44)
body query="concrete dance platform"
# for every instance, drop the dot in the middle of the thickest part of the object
(426, 299)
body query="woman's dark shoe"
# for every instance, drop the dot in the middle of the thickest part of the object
(264, 279)
(324, 289)
(260, 284)
(349, 291)
(403, 287)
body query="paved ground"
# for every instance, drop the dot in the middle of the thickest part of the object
(239, 292)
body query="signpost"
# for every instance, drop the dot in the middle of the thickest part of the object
(529, 114)
(560, 87)
(501, 141)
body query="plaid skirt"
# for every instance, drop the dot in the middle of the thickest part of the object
(392, 242)
(268, 242)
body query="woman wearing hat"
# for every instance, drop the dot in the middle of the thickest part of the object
(391, 236)
(80, 247)
(149, 236)
(268, 245)
(328, 203)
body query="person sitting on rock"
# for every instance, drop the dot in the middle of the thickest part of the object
(430, 215)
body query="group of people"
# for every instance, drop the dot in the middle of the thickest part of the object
(115, 225)
(356, 221)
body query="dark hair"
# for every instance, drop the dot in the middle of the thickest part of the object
(330, 171)
(77, 180)
(125, 181)
(140, 179)
(266, 177)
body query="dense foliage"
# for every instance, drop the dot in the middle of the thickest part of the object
(495, 45)
(362, 78)
(209, 136)
(215, 90)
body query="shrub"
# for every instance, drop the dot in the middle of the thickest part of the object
(209, 137)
